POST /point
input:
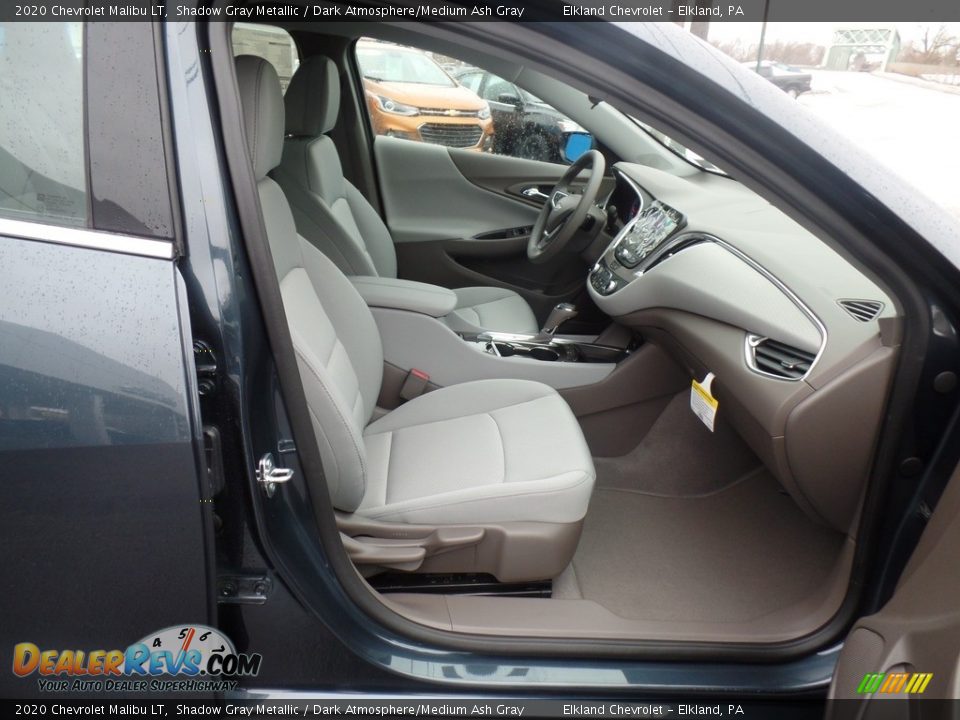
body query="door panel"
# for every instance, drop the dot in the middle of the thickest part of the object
(509, 175)
(427, 197)
(458, 219)
(890, 654)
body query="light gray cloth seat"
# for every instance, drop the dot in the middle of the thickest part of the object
(332, 214)
(491, 451)
(483, 451)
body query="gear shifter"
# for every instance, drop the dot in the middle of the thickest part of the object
(559, 315)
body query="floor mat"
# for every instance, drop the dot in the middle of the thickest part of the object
(679, 457)
(733, 555)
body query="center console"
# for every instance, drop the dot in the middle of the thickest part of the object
(637, 247)
(555, 349)
(412, 320)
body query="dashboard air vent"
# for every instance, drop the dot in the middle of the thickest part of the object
(780, 360)
(862, 310)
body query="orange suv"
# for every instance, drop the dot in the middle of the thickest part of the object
(411, 96)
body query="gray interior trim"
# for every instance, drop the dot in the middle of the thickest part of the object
(615, 83)
(92, 239)
(714, 280)
(405, 295)
(762, 409)
(743, 563)
(802, 265)
(617, 412)
(512, 551)
(584, 619)
(920, 624)
(427, 197)
(413, 340)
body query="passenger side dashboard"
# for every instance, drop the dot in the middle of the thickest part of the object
(801, 343)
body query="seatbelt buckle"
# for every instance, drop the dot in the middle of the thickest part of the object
(414, 384)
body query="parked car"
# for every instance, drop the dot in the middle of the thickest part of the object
(789, 79)
(410, 96)
(429, 432)
(524, 125)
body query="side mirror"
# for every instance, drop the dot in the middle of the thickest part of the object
(510, 99)
(576, 145)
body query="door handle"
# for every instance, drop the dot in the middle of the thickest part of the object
(534, 193)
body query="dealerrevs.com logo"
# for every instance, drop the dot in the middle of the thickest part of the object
(185, 658)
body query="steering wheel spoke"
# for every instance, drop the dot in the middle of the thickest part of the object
(565, 212)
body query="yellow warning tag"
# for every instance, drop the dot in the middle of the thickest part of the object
(703, 404)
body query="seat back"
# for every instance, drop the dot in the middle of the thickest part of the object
(329, 211)
(334, 334)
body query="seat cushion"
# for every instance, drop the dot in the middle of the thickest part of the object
(480, 452)
(490, 308)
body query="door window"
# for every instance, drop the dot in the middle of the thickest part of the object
(42, 165)
(499, 90)
(471, 80)
(424, 97)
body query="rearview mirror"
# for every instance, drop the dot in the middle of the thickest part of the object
(510, 99)
(576, 145)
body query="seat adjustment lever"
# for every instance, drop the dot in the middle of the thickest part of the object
(409, 553)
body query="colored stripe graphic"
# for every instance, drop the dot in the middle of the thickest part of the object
(870, 683)
(922, 685)
(894, 683)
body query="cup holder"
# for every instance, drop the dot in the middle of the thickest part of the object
(501, 349)
(536, 352)
(557, 352)
(544, 353)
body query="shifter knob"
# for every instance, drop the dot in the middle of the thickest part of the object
(559, 315)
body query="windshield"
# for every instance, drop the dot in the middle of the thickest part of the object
(398, 65)
(677, 149)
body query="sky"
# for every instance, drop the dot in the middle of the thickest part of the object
(814, 32)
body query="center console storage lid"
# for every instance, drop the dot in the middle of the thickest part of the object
(407, 295)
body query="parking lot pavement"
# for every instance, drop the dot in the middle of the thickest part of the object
(912, 128)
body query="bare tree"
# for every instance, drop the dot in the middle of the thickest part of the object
(935, 47)
(935, 41)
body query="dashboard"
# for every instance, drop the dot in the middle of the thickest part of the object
(729, 285)
(643, 232)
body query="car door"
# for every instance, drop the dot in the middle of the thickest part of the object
(103, 526)
(460, 218)
(911, 647)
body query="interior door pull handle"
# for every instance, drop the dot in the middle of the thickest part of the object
(533, 192)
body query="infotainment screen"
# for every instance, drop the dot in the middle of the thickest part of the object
(652, 226)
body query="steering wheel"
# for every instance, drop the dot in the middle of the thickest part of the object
(564, 211)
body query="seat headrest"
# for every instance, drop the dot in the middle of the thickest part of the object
(313, 97)
(262, 102)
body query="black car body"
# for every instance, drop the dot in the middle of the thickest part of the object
(147, 371)
(789, 79)
(523, 124)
